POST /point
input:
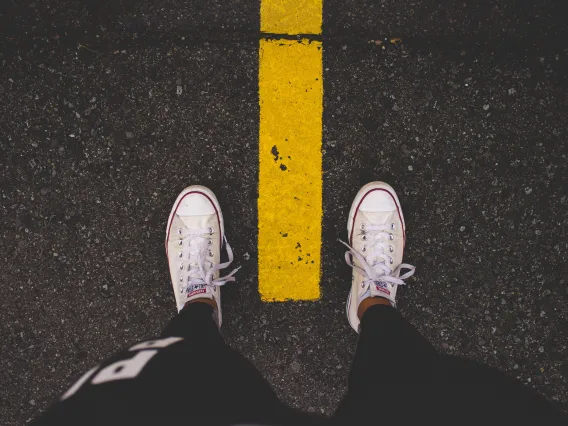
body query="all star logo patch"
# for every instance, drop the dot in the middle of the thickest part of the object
(192, 290)
(382, 287)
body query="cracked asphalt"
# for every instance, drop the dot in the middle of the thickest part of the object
(109, 109)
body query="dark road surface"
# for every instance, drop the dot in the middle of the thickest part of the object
(109, 108)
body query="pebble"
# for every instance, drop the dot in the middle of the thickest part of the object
(512, 91)
(410, 168)
(462, 228)
(129, 135)
(541, 349)
(179, 90)
(528, 191)
(485, 107)
(295, 366)
(246, 256)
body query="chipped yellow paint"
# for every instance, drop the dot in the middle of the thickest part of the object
(290, 175)
(291, 16)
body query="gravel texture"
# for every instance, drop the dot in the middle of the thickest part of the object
(109, 109)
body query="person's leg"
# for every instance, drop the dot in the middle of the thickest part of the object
(188, 374)
(196, 324)
(396, 372)
(392, 359)
(470, 385)
(386, 335)
(394, 362)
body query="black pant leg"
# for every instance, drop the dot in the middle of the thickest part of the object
(397, 374)
(392, 361)
(194, 379)
(473, 388)
(195, 324)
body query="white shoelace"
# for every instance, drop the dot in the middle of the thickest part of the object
(196, 269)
(374, 264)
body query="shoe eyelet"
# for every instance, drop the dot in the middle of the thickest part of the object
(180, 242)
(391, 261)
(180, 255)
(391, 237)
(362, 285)
(181, 267)
(209, 242)
(181, 279)
(362, 227)
(364, 249)
(210, 231)
(180, 231)
(392, 226)
(210, 253)
(364, 238)
(391, 249)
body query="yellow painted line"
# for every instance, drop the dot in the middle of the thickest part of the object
(290, 173)
(291, 16)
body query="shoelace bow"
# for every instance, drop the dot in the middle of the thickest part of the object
(200, 270)
(374, 264)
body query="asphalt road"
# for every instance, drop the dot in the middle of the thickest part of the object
(109, 108)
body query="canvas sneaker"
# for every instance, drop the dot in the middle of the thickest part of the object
(376, 233)
(194, 237)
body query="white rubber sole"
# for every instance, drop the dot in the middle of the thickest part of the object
(351, 308)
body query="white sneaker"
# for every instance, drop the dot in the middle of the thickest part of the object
(194, 237)
(376, 233)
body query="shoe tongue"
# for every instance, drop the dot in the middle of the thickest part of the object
(195, 222)
(378, 218)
